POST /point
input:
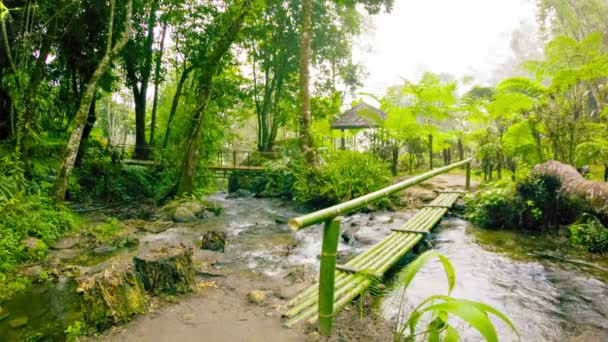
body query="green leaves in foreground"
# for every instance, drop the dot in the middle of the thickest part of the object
(439, 308)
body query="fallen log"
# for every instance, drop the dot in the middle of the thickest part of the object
(590, 195)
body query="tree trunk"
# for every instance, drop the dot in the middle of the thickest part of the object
(575, 187)
(605, 172)
(305, 115)
(157, 83)
(91, 119)
(175, 103)
(61, 182)
(460, 149)
(431, 151)
(395, 160)
(6, 122)
(213, 64)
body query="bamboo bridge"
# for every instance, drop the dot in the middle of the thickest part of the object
(340, 284)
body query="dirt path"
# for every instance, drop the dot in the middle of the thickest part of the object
(219, 313)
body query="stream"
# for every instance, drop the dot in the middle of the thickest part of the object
(549, 294)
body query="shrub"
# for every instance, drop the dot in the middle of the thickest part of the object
(532, 203)
(342, 176)
(590, 234)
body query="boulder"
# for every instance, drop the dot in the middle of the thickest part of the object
(165, 267)
(104, 250)
(111, 297)
(66, 243)
(183, 214)
(348, 234)
(240, 193)
(214, 241)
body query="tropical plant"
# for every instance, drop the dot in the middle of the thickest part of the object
(439, 310)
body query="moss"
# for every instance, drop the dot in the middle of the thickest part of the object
(112, 298)
(166, 269)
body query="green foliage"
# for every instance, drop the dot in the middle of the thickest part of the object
(590, 233)
(438, 309)
(24, 213)
(342, 176)
(532, 203)
(75, 330)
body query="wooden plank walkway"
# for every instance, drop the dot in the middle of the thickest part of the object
(353, 277)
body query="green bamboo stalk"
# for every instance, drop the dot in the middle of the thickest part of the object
(329, 252)
(328, 213)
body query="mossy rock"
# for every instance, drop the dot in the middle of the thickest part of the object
(165, 267)
(112, 297)
(186, 210)
(214, 241)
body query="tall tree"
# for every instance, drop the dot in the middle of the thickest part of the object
(138, 59)
(229, 23)
(71, 150)
(305, 115)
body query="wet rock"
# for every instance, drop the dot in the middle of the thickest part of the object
(66, 243)
(165, 267)
(183, 214)
(3, 313)
(104, 250)
(256, 297)
(281, 220)
(384, 219)
(18, 322)
(111, 297)
(188, 210)
(34, 272)
(214, 241)
(296, 275)
(240, 193)
(348, 234)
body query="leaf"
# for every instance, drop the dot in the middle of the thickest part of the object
(451, 335)
(415, 266)
(471, 314)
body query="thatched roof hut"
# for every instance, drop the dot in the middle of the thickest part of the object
(360, 116)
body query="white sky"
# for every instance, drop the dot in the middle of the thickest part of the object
(458, 37)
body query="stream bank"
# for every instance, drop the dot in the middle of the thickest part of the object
(535, 279)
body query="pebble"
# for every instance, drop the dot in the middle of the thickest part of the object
(256, 297)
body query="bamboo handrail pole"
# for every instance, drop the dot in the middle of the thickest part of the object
(329, 252)
(340, 209)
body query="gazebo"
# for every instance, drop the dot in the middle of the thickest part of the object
(361, 116)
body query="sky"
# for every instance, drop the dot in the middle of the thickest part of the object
(458, 37)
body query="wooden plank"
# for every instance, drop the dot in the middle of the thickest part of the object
(140, 162)
(450, 192)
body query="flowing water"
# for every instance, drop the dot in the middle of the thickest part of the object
(549, 294)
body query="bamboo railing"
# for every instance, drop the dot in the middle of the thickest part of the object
(338, 285)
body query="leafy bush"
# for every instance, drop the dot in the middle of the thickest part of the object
(590, 234)
(101, 176)
(532, 203)
(342, 176)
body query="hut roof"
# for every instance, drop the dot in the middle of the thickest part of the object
(360, 116)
